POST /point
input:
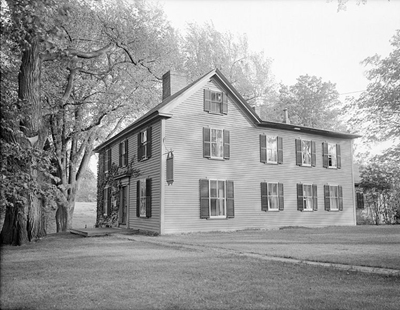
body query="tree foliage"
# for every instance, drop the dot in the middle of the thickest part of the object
(380, 181)
(205, 48)
(85, 67)
(310, 102)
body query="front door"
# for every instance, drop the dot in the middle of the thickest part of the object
(123, 207)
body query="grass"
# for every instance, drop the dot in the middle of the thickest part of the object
(375, 246)
(71, 272)
(84, 215)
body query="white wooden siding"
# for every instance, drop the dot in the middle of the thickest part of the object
(183, 134)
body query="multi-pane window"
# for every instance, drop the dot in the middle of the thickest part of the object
(307, 199)
(272, 197)
(305, 153)
(143, 198)
(144, 144)
(333, 196)
(216, 199)
(331, 155)
(215, 102)
(107, 201)
(123, 153)
(271, 149)
(216, 143)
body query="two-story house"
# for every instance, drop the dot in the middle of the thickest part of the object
(208, 163)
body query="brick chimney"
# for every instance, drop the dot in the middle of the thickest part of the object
(286, 119)
(172, 83)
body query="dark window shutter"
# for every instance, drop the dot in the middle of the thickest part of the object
(126, 153)
(226, 137)
(148, 198)
(207, 100)
(264, 196)
(280, 150)
(170, 168)
(138, 198)
(281, 196)
(149, 142)
(299, 156)
(300, 199)
(120, 155)
(263, 148)
(224, 103)
(360, 200)
(109, 207)
(139, 146)
(103, 161)
(206, 142)
(325, 160)
(327, 198)
(230, 199)
(204, 199)
(105, 200)
(109, 159)
(315, 197)
(340, 194)
(313, 154)
(338, 156)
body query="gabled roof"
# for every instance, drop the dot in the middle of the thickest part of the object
(162, 111)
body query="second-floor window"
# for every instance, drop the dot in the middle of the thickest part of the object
(331, 155)
(271, 149)
(216, 143)
(305, 153)
(123, 153)
(215, 102)
(144, 144)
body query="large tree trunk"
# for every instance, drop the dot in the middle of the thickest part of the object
(25, 221)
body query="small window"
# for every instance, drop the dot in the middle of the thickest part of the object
(123, 153)
(272, 197)
(331, 155)
(215, 102)
(144, 144)
(305, 153)
(216, 199)
(143, 198)
(333, 198)
(307, 199)
(216, 143)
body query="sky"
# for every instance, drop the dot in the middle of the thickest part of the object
(303, 36)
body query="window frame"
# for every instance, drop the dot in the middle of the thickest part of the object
(213, 106)
(327, 155)
(265, 197)
(144, 146)
(302, 199)
(217, 198)
(205, 199)
(328, 198)
(107, 201)
(264, 149)
(272, 149)
(208, 143)
(300, 153)
(143, 198)
(123, 153)
(308, 202)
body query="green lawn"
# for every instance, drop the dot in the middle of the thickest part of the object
(71, 272)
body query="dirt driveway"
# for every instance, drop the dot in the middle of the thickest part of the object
(374, 246)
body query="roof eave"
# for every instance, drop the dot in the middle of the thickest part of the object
(148, 118)
(310, 130)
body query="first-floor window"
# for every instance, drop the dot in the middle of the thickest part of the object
(333, 197)
(216, 199)
(107, 201)
(272, 197)
(307, 197)
(143, 201)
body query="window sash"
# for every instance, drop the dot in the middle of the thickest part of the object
(273, 197)
(306, 152)
(217, 143)
(217, 198)
(334, 197)
(332, 156)
(272, 149)
(216, 102)
(308, 197)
